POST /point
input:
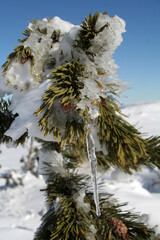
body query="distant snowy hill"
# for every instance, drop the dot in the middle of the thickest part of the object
(21, 208)
(146, 116)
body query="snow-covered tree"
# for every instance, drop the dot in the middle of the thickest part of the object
(65, 88)
(6, 118)
(31, 159)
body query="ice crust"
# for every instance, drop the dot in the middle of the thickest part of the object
(27, 100)
(19, 74)
(27, 120)
(53, 43)
(20, 207)
(29, 84)
(50, 160)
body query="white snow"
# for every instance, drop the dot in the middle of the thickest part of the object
(21, 208)
(54, 159)
(27, 120)
(146, 116)
(52, 43)
(3, 88)
(15, 73)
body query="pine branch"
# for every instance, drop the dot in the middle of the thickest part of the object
(15, 54)
(27, 33)
(88, 32)
(153, 152)
(116, 224)
(6, 119)
(67, 220)
(116, 133)
(22, 139)
(19, 51)
(65, 92)
(66, 85)
(71, 210)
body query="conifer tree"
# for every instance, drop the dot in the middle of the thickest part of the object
(65, 88)
(6, 118)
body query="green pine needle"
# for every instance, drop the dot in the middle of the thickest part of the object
(88, 32)
(153, 151)
(27, 33)
(6, 119)
(68, 221)
(19, 51)
(110, 208)
(66, 88)
(65, 219)
(123, 142)
(15, 54)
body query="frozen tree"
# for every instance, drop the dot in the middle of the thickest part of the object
(6, 119)
(65, 90)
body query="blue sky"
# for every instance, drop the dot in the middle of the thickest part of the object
(138, 56)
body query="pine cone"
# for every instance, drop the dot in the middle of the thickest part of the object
(118, 227)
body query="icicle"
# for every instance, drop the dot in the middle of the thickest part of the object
(93, 165)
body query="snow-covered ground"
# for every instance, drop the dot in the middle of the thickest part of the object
(146, 116)
(21, 207)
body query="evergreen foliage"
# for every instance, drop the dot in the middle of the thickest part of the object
(153, 152)
(6, 118)
(19, 51)
(68, 112)
(26, 33)
(88, 32)
(69, 218)
(66, 85)
(112, 211)
(22, 139)
(118, 134)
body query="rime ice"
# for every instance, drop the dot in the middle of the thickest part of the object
(52, 43)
